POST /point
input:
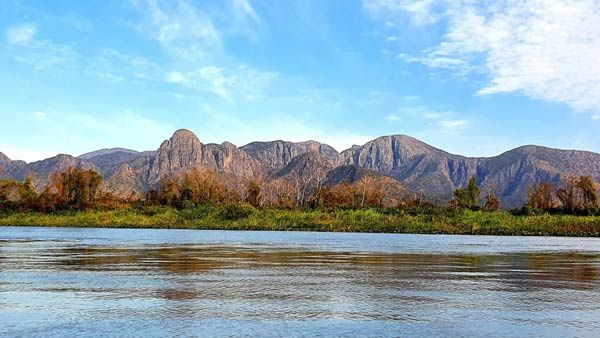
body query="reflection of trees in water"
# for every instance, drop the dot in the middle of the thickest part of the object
(521, 270)
(517, 271)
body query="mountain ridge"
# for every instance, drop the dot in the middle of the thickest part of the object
(416, 165)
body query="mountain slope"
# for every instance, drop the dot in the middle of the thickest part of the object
(277, 154)
(104, 152)
(410, 163)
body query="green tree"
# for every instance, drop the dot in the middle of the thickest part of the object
(468, 197)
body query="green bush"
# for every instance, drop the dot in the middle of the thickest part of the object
(195, 213)
(152, 210)
(233, 212)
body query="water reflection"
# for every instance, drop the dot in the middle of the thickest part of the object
(79, 288)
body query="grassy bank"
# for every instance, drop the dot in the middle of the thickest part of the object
(365, 220)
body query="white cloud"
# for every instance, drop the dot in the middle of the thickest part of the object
(448, 126)
(21, 34)
(391, 38)
(116, 66)
(198, 60)
(393, 117)
(176, 77)
(182, 30)
(217, 82)
(432, 115)
(545, 49)
(244, 11)
(420, 10)
(237, 82)
(39, 114)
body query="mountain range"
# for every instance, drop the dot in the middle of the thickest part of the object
(403, 162)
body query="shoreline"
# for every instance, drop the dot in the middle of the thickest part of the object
(350, 221)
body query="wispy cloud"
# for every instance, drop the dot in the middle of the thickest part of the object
(393, 117)
(239, 82)
(547, 50)
(244, 11)
(21, 34)
(420, 10)
(198, 59)
(39, 114)
(181, 29)
(40, 54)
(448, 126)
(116, 66)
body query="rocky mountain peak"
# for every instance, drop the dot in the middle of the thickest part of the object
(4, 159)
(184, 135)
(182, 150)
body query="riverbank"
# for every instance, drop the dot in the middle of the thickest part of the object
(364, 220)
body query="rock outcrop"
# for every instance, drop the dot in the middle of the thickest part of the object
(277, 154)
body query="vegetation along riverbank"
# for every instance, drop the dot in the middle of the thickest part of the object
(199, 199)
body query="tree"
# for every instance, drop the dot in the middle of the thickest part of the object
(541, 196)
(567, 195)
(468, 197)
(253, 193)
(170, 190)
(586, 186)
(492, 202)
(204, 186)
(74, 189)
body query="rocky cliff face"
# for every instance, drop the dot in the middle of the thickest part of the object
(512, 173)
(184, 151)
(41, 171)
(417, 167)
(277, 154)
(130, 178)
(307, 166)
(4, 159)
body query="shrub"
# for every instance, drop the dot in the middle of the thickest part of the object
(152, 210)
(195, 213)
(232, 212)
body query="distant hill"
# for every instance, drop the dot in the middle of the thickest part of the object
(406, 164)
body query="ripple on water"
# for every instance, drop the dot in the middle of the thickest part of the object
(82, 286)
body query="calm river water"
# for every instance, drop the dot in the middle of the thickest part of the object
(117, 282)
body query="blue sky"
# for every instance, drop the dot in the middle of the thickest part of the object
(471, 77)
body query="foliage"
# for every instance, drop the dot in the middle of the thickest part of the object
(200, 199)
(232, 212)
(246, 217)
(468, 197)
(492, 203)
(541, 196)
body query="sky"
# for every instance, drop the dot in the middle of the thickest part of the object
(474, 78)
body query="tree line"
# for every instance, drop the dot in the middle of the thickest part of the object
(76, 189)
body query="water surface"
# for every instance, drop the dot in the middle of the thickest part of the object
(117, 282)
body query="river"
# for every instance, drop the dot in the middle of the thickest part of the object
(135, 282)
